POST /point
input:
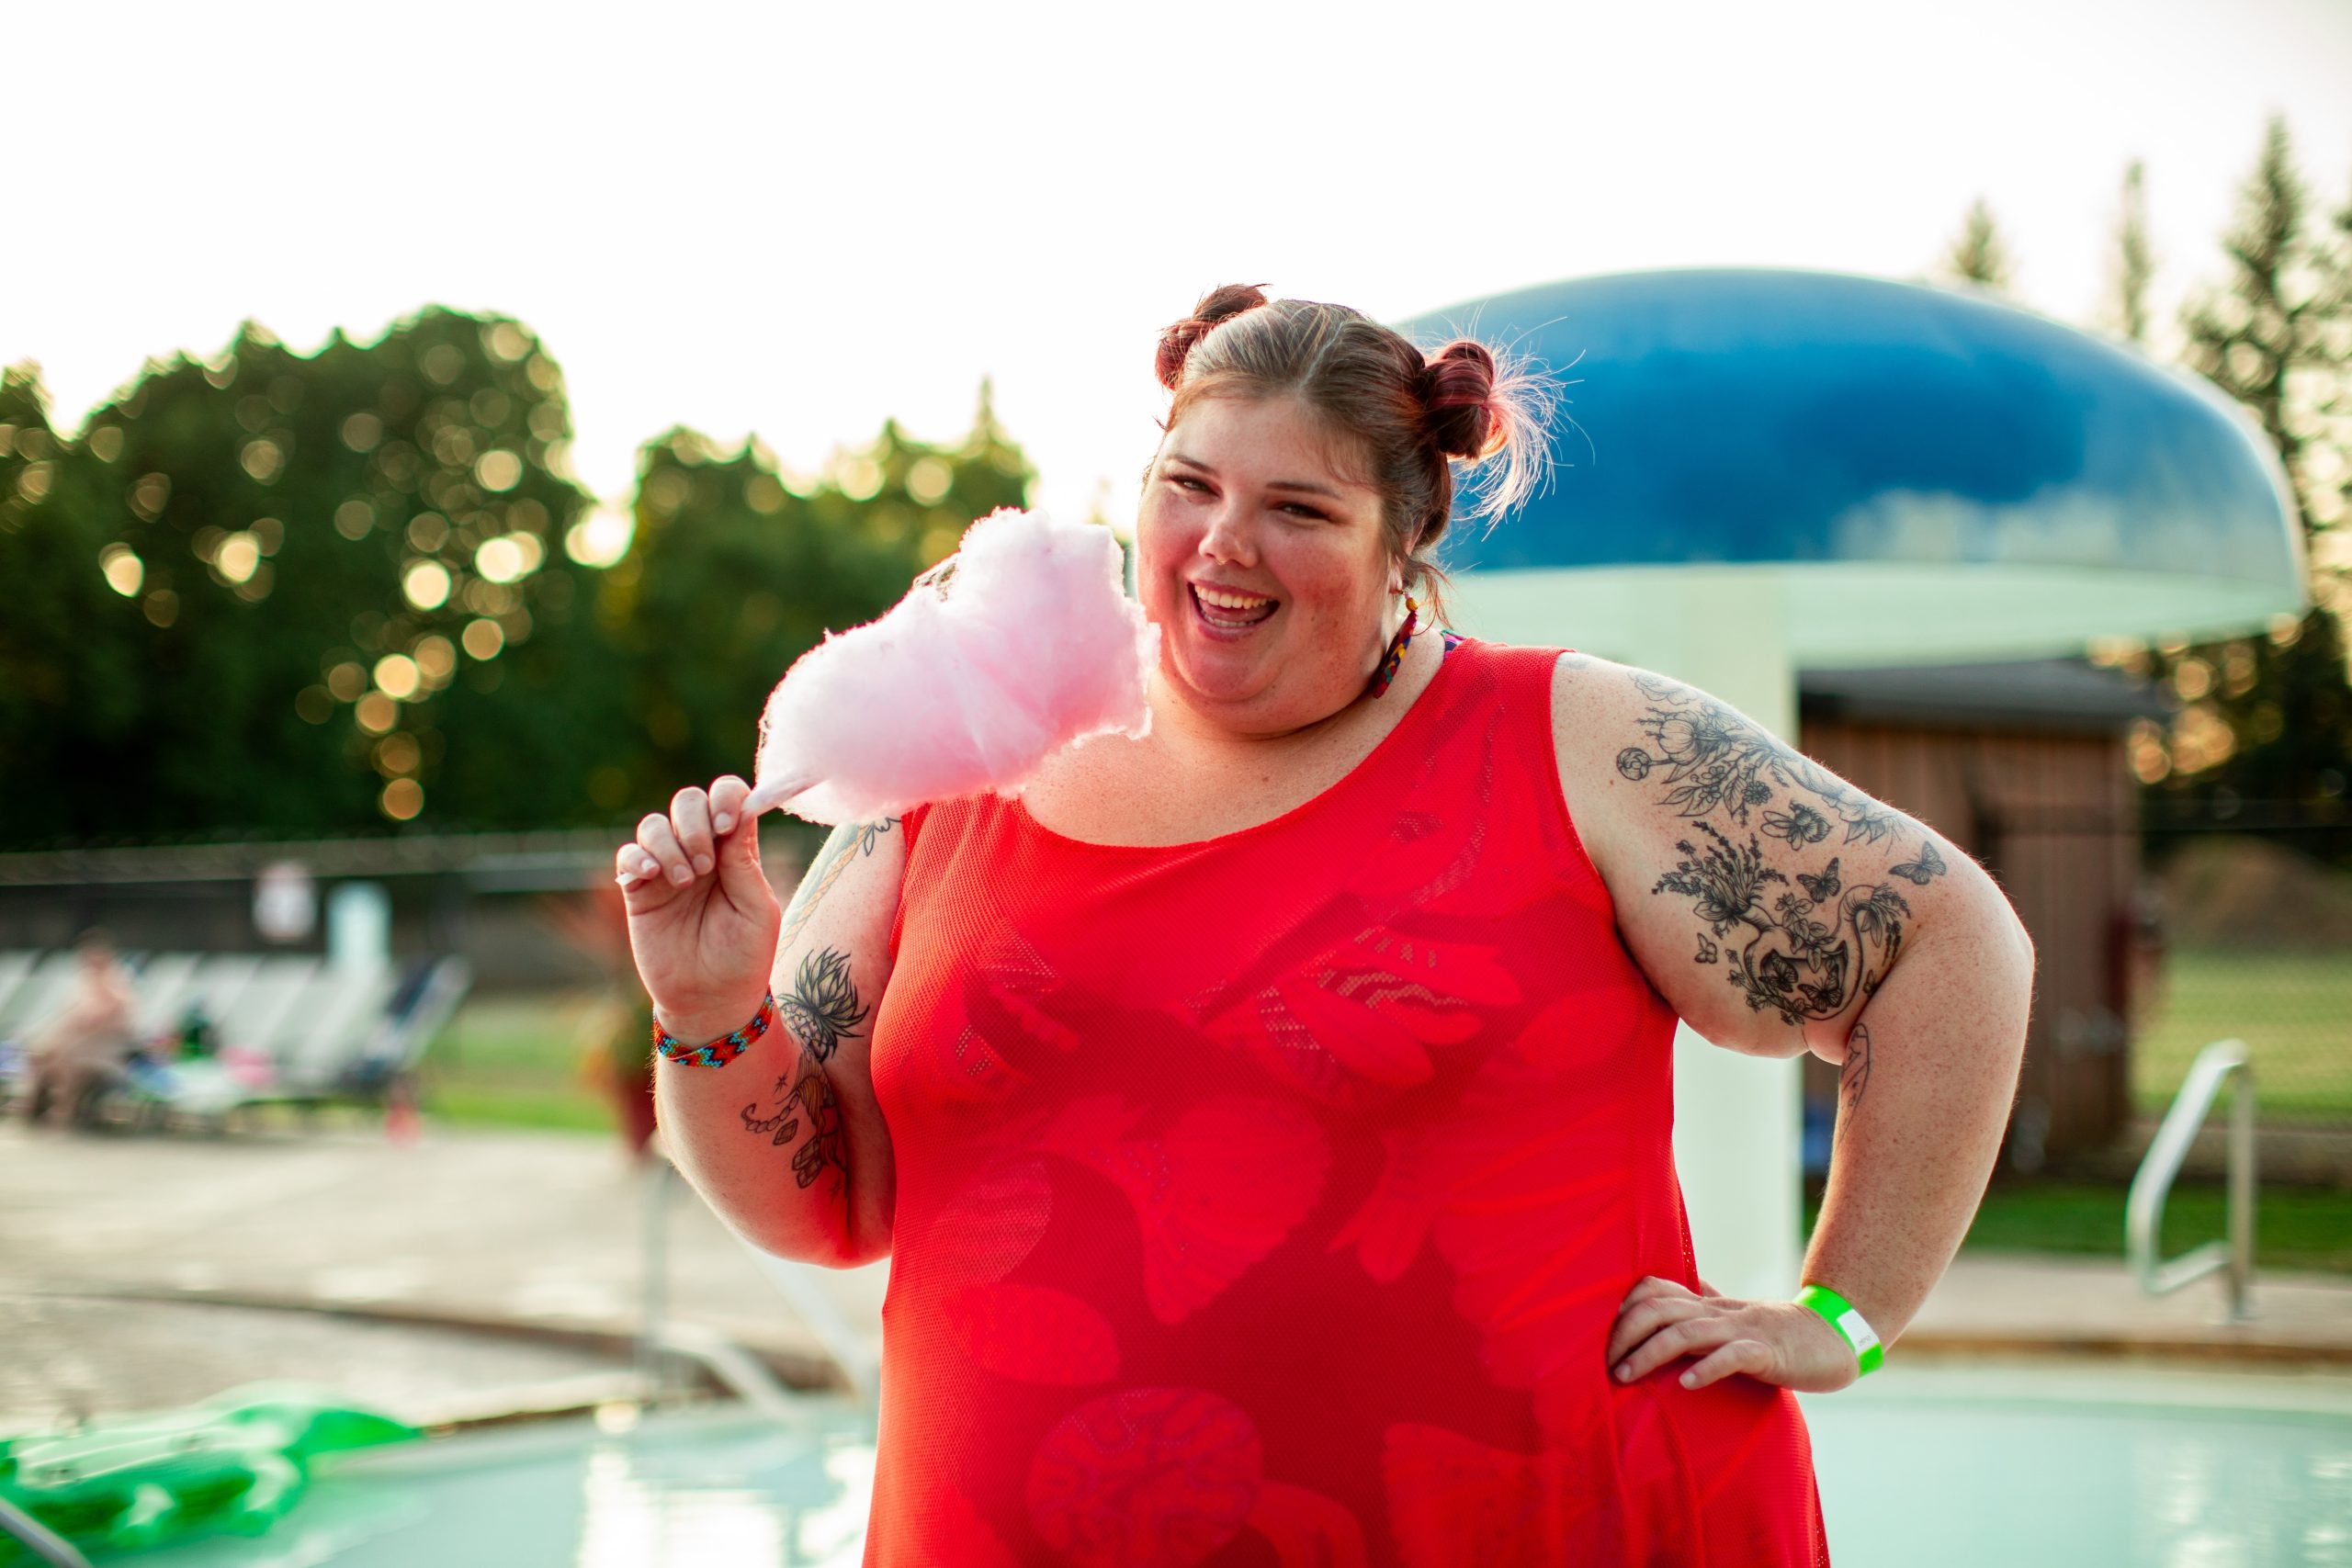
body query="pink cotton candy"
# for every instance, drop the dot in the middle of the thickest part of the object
(1032, 646)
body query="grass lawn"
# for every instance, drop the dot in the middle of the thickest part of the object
(2293, 1227)
(518, 1061)
(2293, 1010)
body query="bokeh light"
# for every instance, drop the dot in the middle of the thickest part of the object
(601, 538)
(314, 704)
(499, 559)
(436, 658)
(376, 712)
(396, 754)
(928, 480)
(354, 518)
(427, 584)
(397, 676)
(483, 638)
(347, 681)
(498, 469)
(238, 556)
(401, 799)
(124, 572)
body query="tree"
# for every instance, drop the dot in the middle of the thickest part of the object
(1979, 256)
(245, 592)
(2270, 716)
(2135, 262)
(732, 574)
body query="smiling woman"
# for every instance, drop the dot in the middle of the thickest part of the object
(1268, 1115)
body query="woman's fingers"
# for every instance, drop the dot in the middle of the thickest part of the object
(631, 865)
(1750, 1356)
(1643, 1320)
(690, 822)
(653, 835)
(726, 796)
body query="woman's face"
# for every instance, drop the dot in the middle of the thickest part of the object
(1264, 564)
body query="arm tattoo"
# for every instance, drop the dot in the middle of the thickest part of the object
(1716, 760)
(821, 1011)
(806, 1091)
(1855, 1075)
(832, 861)
(1806, 951)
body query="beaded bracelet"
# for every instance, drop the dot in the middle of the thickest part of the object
(1868, 1354)
(720, 1052)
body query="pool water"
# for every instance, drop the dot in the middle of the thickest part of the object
(2084, 1465)
(2064, 1463)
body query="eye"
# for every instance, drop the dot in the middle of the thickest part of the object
(1303, 509)
(1186, 479)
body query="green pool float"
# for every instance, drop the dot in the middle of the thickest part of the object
(236, 1461)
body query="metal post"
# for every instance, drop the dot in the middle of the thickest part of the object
(650, 1359)
(2242, 1148)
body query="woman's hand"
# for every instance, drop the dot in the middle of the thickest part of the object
(1774, 1342)
(702, 919)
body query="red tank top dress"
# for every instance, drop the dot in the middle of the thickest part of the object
(1268, 1200)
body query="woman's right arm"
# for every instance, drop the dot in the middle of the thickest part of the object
(787, 1140)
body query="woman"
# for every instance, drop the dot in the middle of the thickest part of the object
(1269, 1120)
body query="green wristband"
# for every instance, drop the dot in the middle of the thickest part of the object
(1851, 1325)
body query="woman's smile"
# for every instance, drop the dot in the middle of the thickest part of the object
(1230, 612)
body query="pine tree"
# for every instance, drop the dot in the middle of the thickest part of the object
(1979, 256)
(2270, 717)
(2135, 262)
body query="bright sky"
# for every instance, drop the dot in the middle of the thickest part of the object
(797, 219)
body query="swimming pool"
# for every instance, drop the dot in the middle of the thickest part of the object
(1925, 1464)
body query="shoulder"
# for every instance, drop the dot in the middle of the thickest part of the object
(1730, 854)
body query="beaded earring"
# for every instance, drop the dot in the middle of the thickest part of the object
(1396, 654)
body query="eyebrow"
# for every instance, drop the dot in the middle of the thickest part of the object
(1310, 489)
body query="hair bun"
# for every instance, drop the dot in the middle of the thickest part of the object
(1216, 307)
(1458, 389)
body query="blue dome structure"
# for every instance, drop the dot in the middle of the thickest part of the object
(1922, 474)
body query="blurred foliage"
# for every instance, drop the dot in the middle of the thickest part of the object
(732, 575)
(275, 594)
(2268, 717)
(1979, 254)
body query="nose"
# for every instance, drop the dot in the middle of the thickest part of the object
(1229, 538)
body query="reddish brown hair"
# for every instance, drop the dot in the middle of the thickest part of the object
(1405, 415)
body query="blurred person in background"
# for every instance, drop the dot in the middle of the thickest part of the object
(83, 1047)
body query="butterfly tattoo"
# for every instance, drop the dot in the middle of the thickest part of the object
(1928, 865)
(1822, 888)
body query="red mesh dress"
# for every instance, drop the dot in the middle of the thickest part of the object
(1268, 1200)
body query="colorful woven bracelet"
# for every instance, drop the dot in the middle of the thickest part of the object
(1849, 1325)
(718, 1052)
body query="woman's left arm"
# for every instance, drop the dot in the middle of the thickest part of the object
(1843, 926)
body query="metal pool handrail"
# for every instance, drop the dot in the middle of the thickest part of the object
(38, 1539)
(2215, 1067)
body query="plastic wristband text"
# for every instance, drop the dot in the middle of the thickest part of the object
(1851, 1325)
(719, 1051)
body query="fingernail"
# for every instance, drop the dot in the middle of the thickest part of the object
(702, 863)
(1688, 1379)
(1624, 1373)
(682, 876)
(722, 823)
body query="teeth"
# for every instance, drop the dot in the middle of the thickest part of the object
(1229, 600)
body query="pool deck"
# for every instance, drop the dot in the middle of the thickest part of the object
(542, 1235)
